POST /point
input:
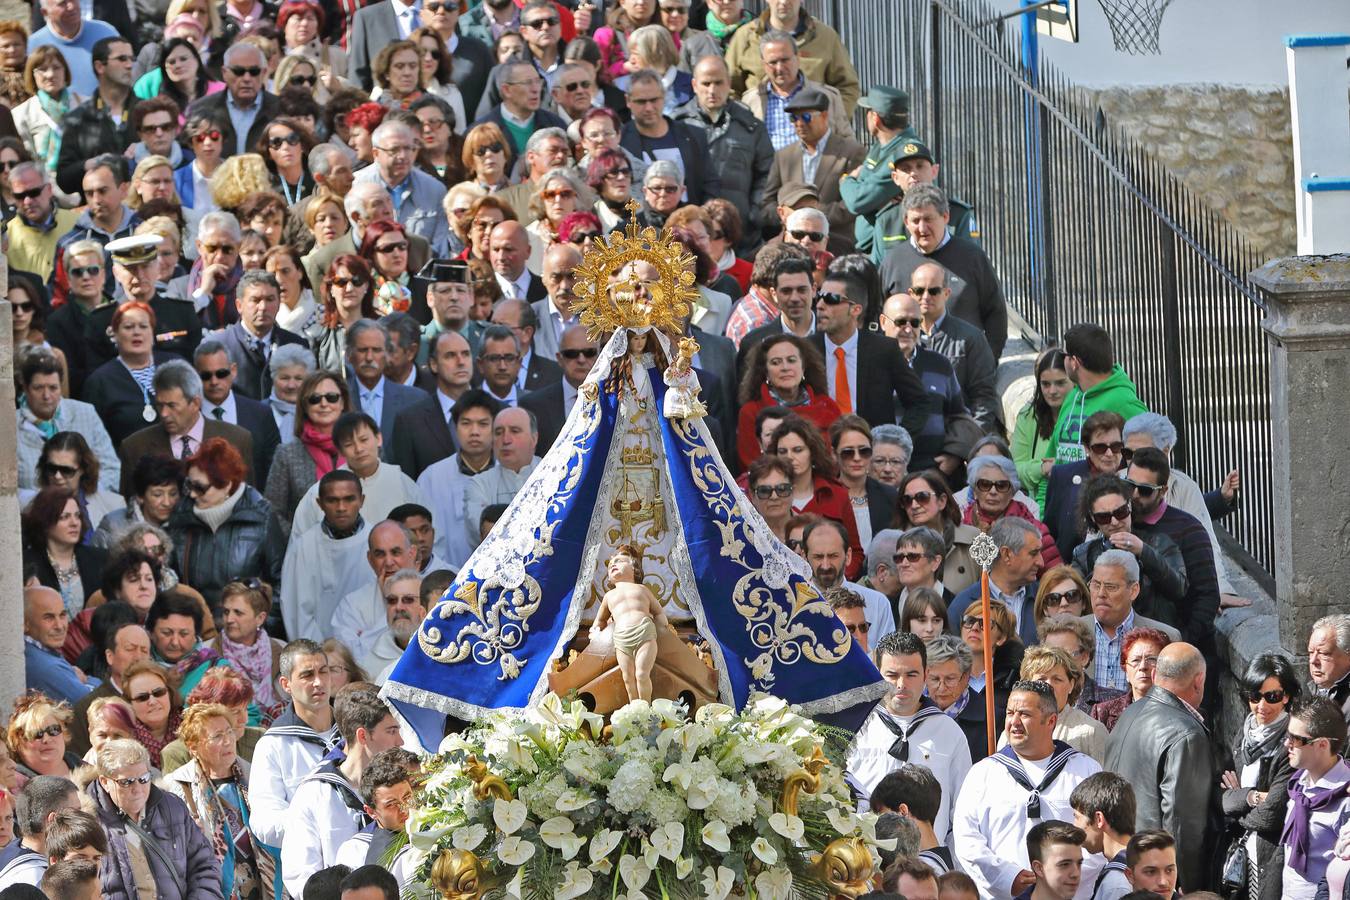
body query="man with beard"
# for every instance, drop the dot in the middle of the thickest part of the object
(403, 613)
(360, 616)
(908, 727)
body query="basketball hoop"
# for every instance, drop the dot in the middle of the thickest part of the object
(1135, 24)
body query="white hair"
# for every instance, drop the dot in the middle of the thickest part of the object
(1157, 426)
(219, 220)
(361, 193)
(808, 216)
(1121, 559)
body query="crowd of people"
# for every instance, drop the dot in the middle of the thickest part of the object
(293, 293)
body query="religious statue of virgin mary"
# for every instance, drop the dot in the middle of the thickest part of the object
(634, 465)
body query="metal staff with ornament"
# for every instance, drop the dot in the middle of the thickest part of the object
(984, 551)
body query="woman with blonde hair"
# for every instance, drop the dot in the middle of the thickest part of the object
(214, 785)
(1062, 591)
(37, 736)
(237, 178)
(46, 77)
(155, 703)
(1065, 676)
(152, 180)
(342, 665)
(488, 158)
(458, 202)
(170, 248)
(652, 47)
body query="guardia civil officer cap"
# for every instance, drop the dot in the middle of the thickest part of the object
(135, 251)
(442, 271)
(885, 101)
(914, 150)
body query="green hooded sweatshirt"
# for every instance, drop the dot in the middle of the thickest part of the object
(1117, 394)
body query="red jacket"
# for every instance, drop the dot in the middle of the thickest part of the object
(817, 408)
(1049, 549)
(831, 501)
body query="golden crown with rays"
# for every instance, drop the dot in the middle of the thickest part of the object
(608, 299)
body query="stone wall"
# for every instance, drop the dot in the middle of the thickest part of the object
(1231, 146)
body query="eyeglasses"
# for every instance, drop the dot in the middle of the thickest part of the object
(158, 693)
(911, 557)
(576, 86)
(85, 271)
(241, 71)
(432, 123)
(1143, 490)
(765, 491)
(816, 236)
(24, 306)
(52, 468)
(579, 352)
(559, 194)
(49, 731)
(30, 195)
(196, 487)
(919, 497)
(859, 628)
(395, 247)
(863, 452)
(349, 282)
(216, 375)
(545, 22)
(675, 10)
(830, 299)
(276, 143)
(219, 248)
(1101, 448)
(1276, 696)
(332, 397)
(1119, 514)
(156, 128)
(303, 80)
(930, 291)
(397, 151)
(619, 173)
(1072, 595)
(986, 485)
(405, 599)
(202, 137)
(972, 622)
(500, 359)
(662, 188)
(581, 237)
(489, 148)
(803, 117)
(128, 782)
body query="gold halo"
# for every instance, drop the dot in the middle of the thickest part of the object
(672, 294)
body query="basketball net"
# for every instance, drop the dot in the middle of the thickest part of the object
(1135, 24)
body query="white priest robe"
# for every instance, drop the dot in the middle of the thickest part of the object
(990, 822)
(383, 491)
(317, 573)
(497, 485)
(445, 486)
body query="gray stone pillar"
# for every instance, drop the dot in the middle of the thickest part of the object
(1307, 326)
(11, 544)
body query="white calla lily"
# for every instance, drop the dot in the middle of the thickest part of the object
(634, 872)
(509, 815)
(683, 867)
(715, 835)
(516, 889)
(468, 837)
(576, 882)
(789, 827)
(515, 851)
(603, 843)
(764, 851)
(775, 884)
(668, 840)
(573, 799)
(717, 885)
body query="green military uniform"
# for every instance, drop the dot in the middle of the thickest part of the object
(868, 192)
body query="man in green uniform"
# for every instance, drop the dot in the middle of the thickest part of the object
(869, 187)
(913, 165)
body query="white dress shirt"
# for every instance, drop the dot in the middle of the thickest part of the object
(518, 288)
(371, 400)
(407, 16)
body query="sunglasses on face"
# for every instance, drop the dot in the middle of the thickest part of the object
(919, 497)
(1101, 448)
(158, 693)
(303, 80)
(579, 352)
(803, 117)
(860, 628)
(581, 237)
(436, 7)
(30, 195)
(832, 299)
(911, 321)
(559, 195)
(910, 556)
(215, 375)
(765, 491)
(52, 468)
(1271, 697)
(1119, 514)
(662, 188)
(986, 485)
(395, 247)
(202, 137)
(24, 306)
(156, 128)
(1072, 595)
(1298, 740)
(930, 291)
(815, 236)
(972, 622)
(489, 148)
(332, 397)
(276, 143)
(863, 452)
(619, 173)
(1143, 490)
(219, 248)
(128, 782)
(49, 731)
(85, 271)
(196, 487)
(349, 282)
(546, 22)
(576, 86)
(241, 71)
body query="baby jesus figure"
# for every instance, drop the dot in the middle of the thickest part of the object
(636, 613)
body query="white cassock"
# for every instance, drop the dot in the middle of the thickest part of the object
(317, 573)
(384, 652)
(359, 618)
(444, 486)
(990, 822)
(936, 742)
(383, 491)
(497, 485)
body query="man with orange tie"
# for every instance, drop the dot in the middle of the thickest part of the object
(866, 373)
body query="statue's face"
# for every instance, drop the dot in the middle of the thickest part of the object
(621, 567)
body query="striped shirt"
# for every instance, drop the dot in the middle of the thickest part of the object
(754, 310)
(1107, 669)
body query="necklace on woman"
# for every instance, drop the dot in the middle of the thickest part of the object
(66, 575)
(858, 501)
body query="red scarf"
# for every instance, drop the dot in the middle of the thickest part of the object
(156, 745)
(321, 449)
(1016, 509)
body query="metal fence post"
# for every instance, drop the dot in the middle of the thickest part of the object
(935, 82)
(1049, 296)
(1171, 300)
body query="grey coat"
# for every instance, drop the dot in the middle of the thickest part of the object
(742, 153)
(293, 473)
(167, 820)
(1165, 752)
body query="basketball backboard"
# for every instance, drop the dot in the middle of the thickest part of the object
(1059, 20)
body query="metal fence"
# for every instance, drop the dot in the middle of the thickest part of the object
(1082, 225)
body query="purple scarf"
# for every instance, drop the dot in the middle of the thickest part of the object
(1302, 804)
(255, 662)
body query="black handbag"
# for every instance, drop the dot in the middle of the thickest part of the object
(1236, 864)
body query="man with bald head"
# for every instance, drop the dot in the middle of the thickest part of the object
(45, 623)
(515, 435)
(553, 404)
(536, 371)
(554, 312)
(359, 619)
(738, 142)
(1161, 746)
(509, 251)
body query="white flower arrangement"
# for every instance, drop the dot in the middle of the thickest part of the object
(663, 807)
